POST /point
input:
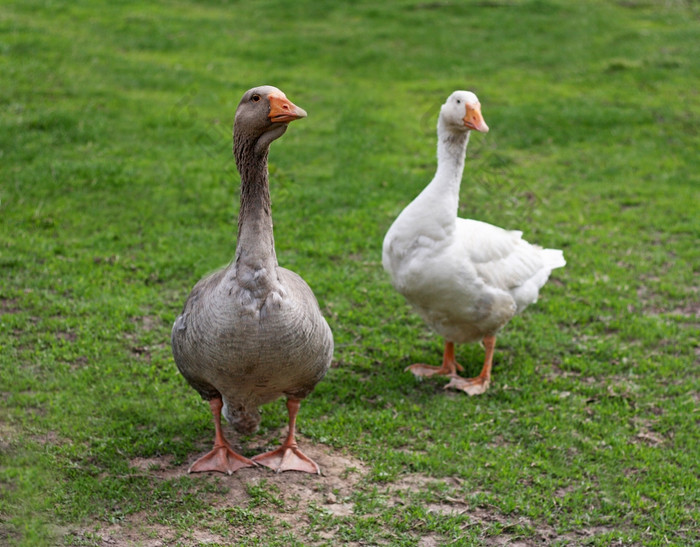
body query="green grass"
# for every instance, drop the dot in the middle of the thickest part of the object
(118, 192)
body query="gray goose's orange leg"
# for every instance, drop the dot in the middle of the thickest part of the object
(449, 367)
(288, 457)
(478, 385)
(222, 457)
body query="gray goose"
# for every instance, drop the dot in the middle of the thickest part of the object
(253, 331)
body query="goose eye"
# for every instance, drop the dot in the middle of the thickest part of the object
(459, 101)
(255, 98)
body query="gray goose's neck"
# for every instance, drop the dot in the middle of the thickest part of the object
(255, 247)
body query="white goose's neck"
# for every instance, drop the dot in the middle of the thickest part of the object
(451, 151)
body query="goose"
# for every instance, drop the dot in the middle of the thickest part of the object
(253, 331)
(465, 278)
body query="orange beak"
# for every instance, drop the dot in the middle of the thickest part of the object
(282, 110)
(474, 120)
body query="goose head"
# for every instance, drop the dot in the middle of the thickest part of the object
(462, 112)
(263, 115)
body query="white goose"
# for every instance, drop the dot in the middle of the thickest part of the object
(465, 278)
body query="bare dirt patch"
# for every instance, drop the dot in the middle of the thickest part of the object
(289, 496)
(332, 489)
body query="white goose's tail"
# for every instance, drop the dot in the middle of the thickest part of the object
(553, 258)
(528, 292)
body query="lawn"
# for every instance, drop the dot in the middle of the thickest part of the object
(118, 191)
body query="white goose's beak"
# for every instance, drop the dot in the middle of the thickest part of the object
(474, 120)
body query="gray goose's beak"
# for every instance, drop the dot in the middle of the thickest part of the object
(282, 110)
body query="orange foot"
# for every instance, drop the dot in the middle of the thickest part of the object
(223, 459)
(470, 386)
(478, 385)
(426, 371)
(288, 458)
(449, 365)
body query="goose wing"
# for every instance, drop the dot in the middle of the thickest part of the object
(503, 260)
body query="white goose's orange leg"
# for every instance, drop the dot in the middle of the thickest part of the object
(222, 457)
(449, 367)
(478, 385)
(288, 457)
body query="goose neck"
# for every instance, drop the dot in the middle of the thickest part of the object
(255, 243)
(452, 149)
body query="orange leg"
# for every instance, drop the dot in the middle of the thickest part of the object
(288, 457)
(478, 385)
(222, 457)
(449, 367)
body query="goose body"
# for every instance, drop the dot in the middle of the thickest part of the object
(465, 278)
(253, 331)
